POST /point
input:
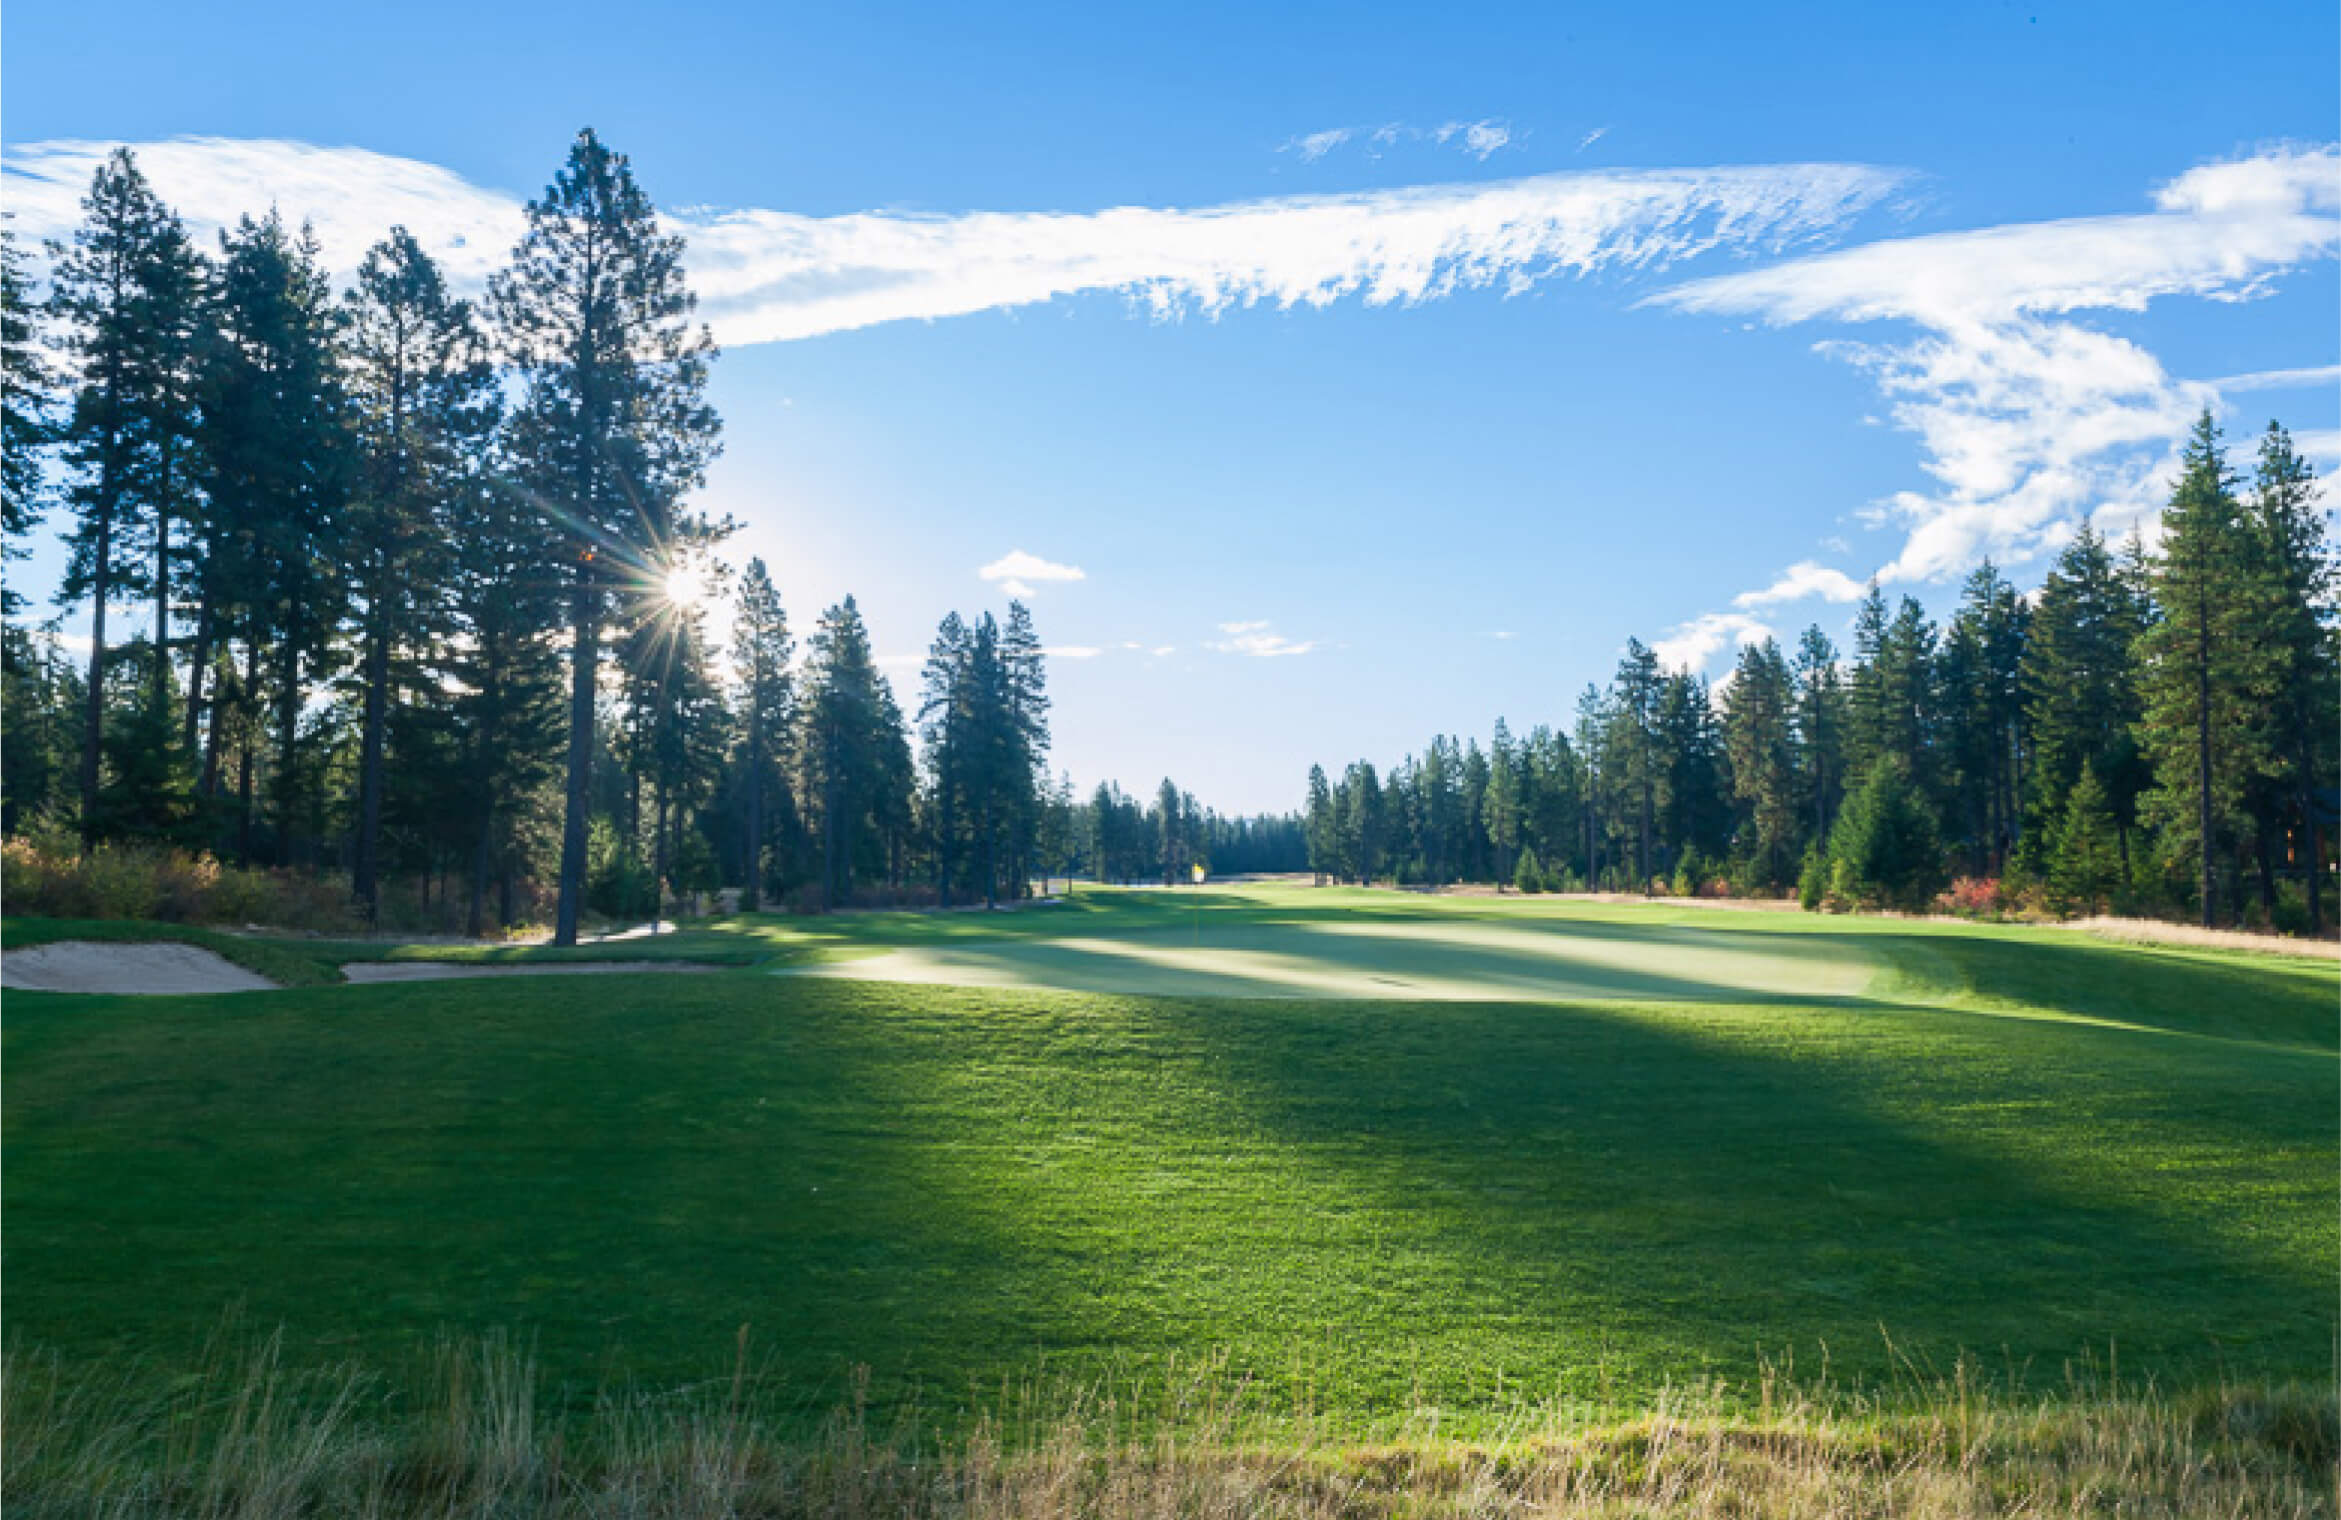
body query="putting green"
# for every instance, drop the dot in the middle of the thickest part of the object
(1443, 959)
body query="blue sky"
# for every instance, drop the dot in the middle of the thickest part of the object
(1441, 350)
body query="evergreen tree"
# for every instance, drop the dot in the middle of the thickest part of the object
(2204, 671)
(280, 468)
(1503, 803)
(123, 294)
(1322, 828)
(851, 754)
(761, 655)
(2296, 633)
(1171, 849)
(1636, 712)
(1820, 729)
(613, 428)
(2084, 858)
(425, 405)
(1695, 810)
(1884, 850)
(2079, 680)
(26, 424)
(1763, 775)
(500, 661)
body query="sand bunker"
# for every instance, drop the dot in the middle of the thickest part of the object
(149, 970)
(445, 971)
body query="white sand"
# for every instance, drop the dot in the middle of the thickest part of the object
(149, 970)
(444, 971)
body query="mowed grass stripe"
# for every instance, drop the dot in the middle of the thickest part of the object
(2017, 1146)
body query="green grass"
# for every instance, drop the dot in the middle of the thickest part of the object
(2023, 1145)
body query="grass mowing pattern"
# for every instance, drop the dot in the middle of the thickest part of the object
(2022, 1144)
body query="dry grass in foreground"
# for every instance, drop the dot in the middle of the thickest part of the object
(252, 1440)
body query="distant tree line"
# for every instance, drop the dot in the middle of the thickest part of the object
(428, 605)
(2150, 731)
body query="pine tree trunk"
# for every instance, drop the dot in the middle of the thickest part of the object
(288, 741)
(2203, 747)
(94, 718)
(578, 795)
(2315, 880)
(658, 862)
(753, 896)
(363, 884)
(198, 662)
(162, 584)
(475, 908)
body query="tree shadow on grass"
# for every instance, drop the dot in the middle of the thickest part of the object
(1574, 1194)
(624, 1175)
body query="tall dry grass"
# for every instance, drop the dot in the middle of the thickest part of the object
(474, 1436)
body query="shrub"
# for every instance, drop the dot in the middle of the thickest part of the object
(44, 880)
(1883, 851)
(1972, 897)
(1527, 873)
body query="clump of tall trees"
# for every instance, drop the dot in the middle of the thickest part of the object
(396, 586)
(2152, 731)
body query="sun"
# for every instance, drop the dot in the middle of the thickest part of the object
(689, 585)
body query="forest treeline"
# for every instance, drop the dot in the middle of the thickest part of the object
(2151, 732)
(426, 603)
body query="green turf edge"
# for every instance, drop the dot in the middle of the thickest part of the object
(288, 963)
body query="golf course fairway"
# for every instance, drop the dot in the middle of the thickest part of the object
(1366, 1151)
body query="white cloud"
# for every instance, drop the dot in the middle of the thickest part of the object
(2029, 421)
(1073, 651)
(772, 276)
(1592, 137)
(1317, 144)
(2320, 444)
(1258, 640)
(1690, 646)
(1803, 579)
(1160, 650)
(351, 196)
(1016, 571)
(2317, 377)
(1477, 138)
(1504, 633)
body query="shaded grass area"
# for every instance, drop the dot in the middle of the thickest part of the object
(468, 1432)
(2019, 1146)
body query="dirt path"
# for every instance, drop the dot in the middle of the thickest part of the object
(447, 971)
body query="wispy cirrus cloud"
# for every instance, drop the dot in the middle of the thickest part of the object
(772, 276)
(2028, 419)
(1480, 138)
(1259, 640)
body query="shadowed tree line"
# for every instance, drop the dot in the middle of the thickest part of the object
(2153, 731)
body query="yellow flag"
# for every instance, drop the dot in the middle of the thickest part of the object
(1198, 876)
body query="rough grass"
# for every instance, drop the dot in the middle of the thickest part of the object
(469, 1433)
(2015, 1145)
